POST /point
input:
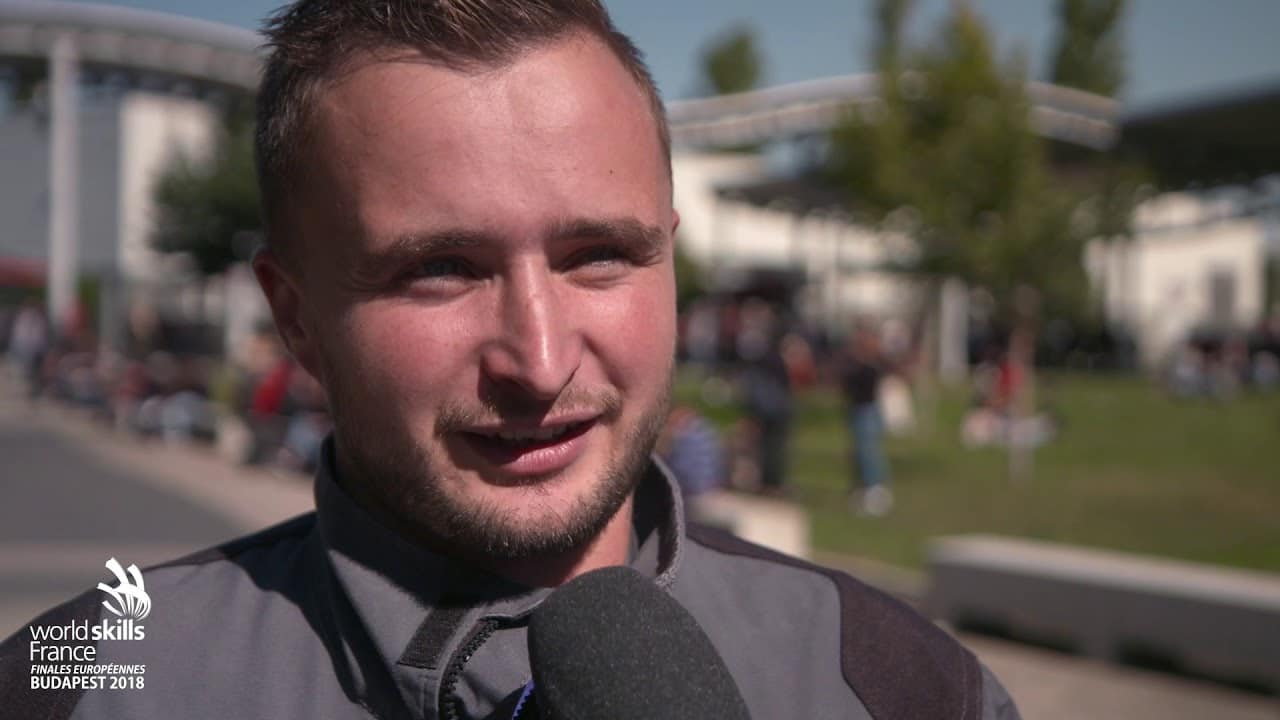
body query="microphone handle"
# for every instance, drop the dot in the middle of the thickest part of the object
(521, 704)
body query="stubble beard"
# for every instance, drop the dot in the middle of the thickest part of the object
(406, 480)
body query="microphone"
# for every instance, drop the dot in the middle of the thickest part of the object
(610, 644)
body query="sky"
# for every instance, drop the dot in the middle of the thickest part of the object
(1177, 51)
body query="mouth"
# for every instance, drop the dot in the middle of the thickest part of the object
(530, 450)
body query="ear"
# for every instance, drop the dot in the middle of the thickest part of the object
(285, 297)
(675, 221)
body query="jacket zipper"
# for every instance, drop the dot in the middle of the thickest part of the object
(450, 704)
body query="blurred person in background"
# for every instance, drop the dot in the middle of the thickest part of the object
(702, 334)
(1265, 353)
(691, 448)
(766, 391)
(863, 369)
(308, 424)
(28, 343)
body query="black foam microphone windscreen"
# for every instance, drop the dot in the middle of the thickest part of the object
(611, 645)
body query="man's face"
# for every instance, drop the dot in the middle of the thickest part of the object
(486, 292)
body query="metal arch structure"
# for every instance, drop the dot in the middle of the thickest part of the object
(145, 41)
(132, 40)
(69, 36)
(815, 106)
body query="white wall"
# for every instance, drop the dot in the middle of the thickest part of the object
(846, 263)
(125, 142)
(752, 237)
(695, 177)
(1159, 284)
(24, 184)
(154, 130)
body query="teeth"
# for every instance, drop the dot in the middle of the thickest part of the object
(539, 435)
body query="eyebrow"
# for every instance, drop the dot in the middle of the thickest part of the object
(401, 250)
(642, 238)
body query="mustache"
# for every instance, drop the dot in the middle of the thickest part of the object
(518, 408)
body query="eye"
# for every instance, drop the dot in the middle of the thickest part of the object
(599, 255)
(440, 277)
(442, 268)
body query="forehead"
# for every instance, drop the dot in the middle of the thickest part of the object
(402, 140)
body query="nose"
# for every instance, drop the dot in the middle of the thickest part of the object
(537, 345)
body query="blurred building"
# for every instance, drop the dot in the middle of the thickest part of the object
(1196, 263)
(1196, 260)
(95, 103)
(126, 139)
(1198, 257)
(764, 211)
(742, 222)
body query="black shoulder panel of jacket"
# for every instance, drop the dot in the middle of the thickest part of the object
(17, 699)
(898, 663)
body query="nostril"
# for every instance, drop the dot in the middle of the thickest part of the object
(541, 370)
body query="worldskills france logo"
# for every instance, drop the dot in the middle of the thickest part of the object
(129, 593)
(65, 657)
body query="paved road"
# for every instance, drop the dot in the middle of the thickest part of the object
(64, 512)
(56, 492)
(73, 494)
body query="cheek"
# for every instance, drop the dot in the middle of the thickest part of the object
(635, 335)
(393, 351)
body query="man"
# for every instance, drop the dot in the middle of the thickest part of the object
(470, 248)
(860, 378)
(766, 391)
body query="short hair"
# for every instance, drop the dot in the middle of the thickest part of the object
(310, 40)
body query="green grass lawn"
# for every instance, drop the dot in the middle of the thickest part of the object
(1132, 469)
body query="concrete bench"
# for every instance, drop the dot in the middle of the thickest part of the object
(775, 524)
(1206, 620)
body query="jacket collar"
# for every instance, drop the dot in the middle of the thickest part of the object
(397, 588)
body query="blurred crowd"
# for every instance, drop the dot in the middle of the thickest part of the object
(255, 405)
(1218, 365)
(754, 355)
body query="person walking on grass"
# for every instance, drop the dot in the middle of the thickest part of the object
(863, 369)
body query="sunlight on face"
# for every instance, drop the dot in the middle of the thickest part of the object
(490, 289)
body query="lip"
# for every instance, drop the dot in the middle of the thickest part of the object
(529, 461)
(568, 418)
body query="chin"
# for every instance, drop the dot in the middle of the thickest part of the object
(538, 501)
(553, 515)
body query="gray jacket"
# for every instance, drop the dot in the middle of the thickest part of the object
(331, 615)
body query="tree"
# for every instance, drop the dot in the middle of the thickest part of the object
(731, 63)
(891, 19)
(209, 207)
(949, 146)
(948, 155)
(690, 277)
(1088, 55)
